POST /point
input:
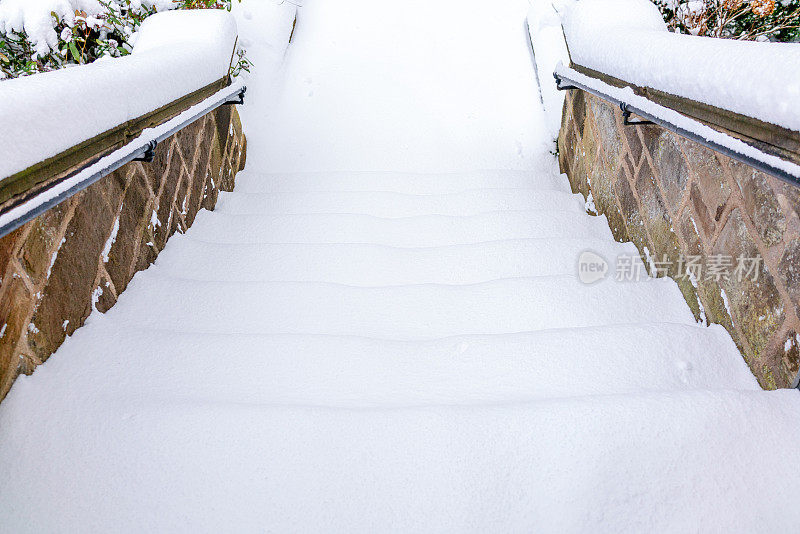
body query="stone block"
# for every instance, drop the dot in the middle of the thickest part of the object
(789, 269)
(634, 144)
(688, 233)
(756, 307)
(222, 117)
(67, 295)
(183, 194)
(603, 174)
(210, 193)
(15, 306)
(568, 155)
(655, 215)
(195, 197)
(191, 139)
(216, 162)
(166, 200)
(788, 197)
(788, 348)
(709, 178)
(701, 212)
(634, 224)
(604, 118)
(243, 153)
(147, 251)
(671, 169)
(103, 295)
(230, 163)
(134, 217)
(42, 241)
(585, 155)
(156, 171)
(716, 310)
(579, 111)
(760, 202)
(9, 247)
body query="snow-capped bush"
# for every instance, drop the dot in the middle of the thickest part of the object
(43, 35)
(761, 20)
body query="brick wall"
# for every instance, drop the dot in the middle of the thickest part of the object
(677, 200)
(81, 255)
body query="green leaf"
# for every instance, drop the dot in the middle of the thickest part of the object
(75, 53)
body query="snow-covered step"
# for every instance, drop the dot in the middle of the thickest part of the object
(420, 231)
(614, 463)
(338, 371)
(379, 265)
(395, 312)
(399, 182)
(389, 204)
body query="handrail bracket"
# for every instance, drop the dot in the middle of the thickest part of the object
(149, 153)
(626, 116)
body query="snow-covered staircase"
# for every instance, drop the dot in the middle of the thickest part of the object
(375, 363)
(351, 351)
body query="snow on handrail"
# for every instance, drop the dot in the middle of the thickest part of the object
(628, 101)
(140, 148)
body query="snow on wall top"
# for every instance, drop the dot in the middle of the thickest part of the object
(176, 53)
(35, 17)
(628, 39)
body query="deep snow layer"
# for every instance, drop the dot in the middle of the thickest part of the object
(395, 351)
(628, 39)
(177, 52)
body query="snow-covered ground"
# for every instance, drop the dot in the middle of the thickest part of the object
(382, 330)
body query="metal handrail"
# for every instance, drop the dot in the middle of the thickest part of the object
(566, 81)
(140, 149)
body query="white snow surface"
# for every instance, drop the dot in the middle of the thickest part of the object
(35, 17)
(177, 52)
(382, 329)
(628, 39)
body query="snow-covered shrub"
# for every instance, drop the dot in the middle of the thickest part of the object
(43, 35)
(761, 20)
